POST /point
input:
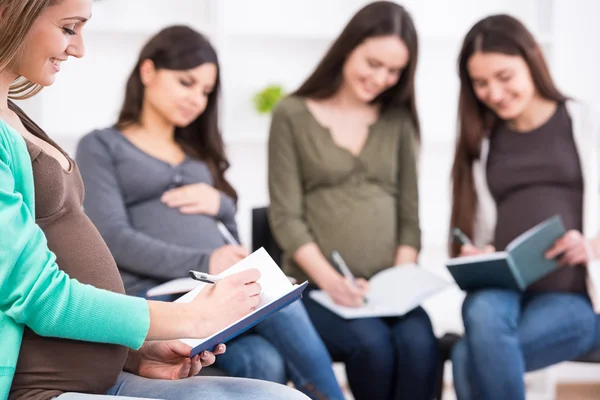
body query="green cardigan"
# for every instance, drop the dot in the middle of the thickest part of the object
(33, 291)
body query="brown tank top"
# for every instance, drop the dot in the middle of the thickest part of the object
(48, 367)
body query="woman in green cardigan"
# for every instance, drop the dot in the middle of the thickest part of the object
(37, 297)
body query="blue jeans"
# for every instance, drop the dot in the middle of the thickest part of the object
(284, 345)
(509, 333)
(197, 388)
(385, 358)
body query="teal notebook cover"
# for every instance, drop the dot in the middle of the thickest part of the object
(521, 264)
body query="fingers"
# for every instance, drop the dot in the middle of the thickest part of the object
(220, 349)
(363, 284)
(207, 358)
(244, 277)
(191, 208)
(253, 289)
(240, 251)
(489, 249)
(356, 294)
(569, 240)
(574, 256)
(178, 347)
(176, 197)
(184, 369)
(469, 250)
(254, 302)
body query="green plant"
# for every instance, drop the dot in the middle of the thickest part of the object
(266, 99)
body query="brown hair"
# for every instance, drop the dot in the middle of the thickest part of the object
(182, 48)
(380, 18)
(494, 34)
(18, 17)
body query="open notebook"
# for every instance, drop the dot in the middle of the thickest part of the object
(392, 292)
(521, 264)
(277, 292)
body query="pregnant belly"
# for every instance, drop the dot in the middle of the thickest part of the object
(158, 221)
(361, 228)
(51, 364)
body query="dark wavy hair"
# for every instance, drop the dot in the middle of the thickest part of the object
(495, 34)
(380, 18)
(182, 48)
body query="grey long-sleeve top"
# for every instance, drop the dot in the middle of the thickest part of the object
(150, 242)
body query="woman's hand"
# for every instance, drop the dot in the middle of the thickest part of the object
(347, 293)
(169, 360)
(224, 257)
(197, 198)
(572, 249)
(218, 305)
(470, 250)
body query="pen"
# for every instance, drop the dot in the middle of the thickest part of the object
(460, 237)
(226, 234)
(342, 267)
(203, 277)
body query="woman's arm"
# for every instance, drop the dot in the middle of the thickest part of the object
(409, 231)
(286, 198)
(133, 251)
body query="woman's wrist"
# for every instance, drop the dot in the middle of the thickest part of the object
(175, 321)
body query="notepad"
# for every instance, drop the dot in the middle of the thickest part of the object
(277, 293)
(521, 264)
(392, 292)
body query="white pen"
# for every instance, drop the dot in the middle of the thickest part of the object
(203, 277)
(226, 234)
(341, 265)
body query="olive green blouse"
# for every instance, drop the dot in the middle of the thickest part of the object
(363, 206)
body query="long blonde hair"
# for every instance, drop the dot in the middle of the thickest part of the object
(18, 17)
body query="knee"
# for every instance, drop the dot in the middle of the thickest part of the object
(413, 335)
(273, 391)
(376, 349)
(268, 365)
(257, 359)
(488, 313)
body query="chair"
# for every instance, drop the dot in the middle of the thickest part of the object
(262, 235)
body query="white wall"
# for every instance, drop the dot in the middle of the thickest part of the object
(280, 41)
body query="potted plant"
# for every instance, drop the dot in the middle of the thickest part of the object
(265, 100)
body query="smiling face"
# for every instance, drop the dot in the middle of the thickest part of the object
(178, 96)
(374, 66)
(54, 36)
(502, 82)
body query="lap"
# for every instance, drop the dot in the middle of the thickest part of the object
(344, 335)
(201, 388)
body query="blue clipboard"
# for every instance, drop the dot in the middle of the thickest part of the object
(250, 320)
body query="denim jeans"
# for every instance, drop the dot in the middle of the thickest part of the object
(131, 386)
(509, 333)
(284, 345)
(385, 358)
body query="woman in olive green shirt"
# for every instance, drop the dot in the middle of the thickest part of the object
(342, 176)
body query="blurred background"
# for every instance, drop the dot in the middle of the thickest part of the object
(277, 43)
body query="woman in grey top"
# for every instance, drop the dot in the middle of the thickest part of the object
(156, 190)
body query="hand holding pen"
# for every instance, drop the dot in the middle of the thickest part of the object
(225, 300)
(347, 290)
(227, 255)
(467, 248)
